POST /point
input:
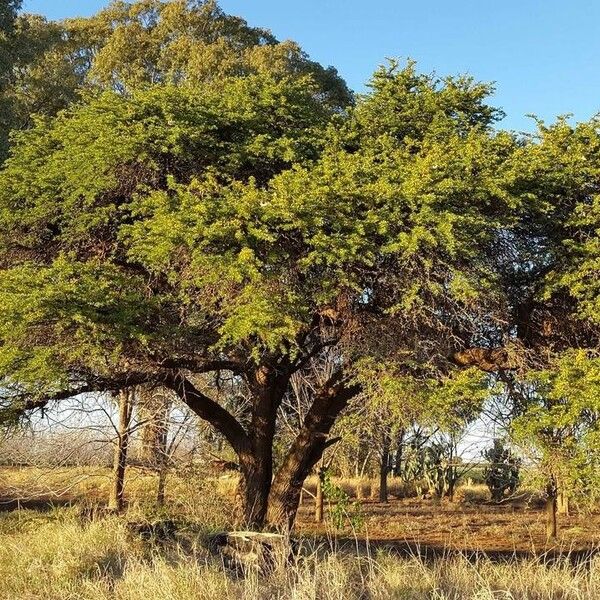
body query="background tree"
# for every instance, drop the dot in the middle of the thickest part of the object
(559, 430)
(8, 16)
(116, 501)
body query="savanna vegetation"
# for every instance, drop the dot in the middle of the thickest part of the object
(235, 294)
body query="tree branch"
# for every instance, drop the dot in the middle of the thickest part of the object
(209, 410)
(24, 402)
(312, 440)
(199, 366)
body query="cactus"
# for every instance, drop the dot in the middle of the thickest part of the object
(502, 473)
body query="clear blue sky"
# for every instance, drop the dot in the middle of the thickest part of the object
(544, 55)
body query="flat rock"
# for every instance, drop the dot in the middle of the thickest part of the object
(251, 550)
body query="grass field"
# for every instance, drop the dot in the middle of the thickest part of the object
(408, 549)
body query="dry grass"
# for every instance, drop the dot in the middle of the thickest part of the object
(471, 522)
(54, 557)
(365, 488)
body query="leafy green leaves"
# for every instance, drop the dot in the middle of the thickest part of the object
(68, 315)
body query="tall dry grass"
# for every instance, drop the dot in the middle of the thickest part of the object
(54, 556)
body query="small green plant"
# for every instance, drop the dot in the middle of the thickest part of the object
(341, 509)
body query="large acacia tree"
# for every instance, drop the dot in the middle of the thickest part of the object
(171, 232)
(193, 218)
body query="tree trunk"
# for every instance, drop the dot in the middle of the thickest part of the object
(255, 483)
(399, 454)
(116, 500)
(154, 408)
(264, 499)
(384, 467)
(305, 452)
(551, 510)
(451, 487)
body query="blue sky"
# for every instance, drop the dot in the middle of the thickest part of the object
(544, 55)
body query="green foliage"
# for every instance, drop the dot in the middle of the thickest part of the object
(560, 429)
(449, 401)
(214, 194)
(46, 66)
(148, 42)
(8, 17)
(414, 108)
(91, 304)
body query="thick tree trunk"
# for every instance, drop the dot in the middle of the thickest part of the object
(551, 518)
(116, 500)
(451, 487)
(284, 497)
(306, 451)
(264, 499)
(255, 486)
(256, 461)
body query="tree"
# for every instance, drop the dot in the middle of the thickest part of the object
(217, 207)
(8, 17)
(117, 497)
(560, 429)
(170, 232)
(50, 65)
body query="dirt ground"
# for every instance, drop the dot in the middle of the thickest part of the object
(425, 525)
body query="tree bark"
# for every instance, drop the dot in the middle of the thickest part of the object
(319, 499)
(268, 385)
(116, 500)
(209, 410)
(451, 487)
